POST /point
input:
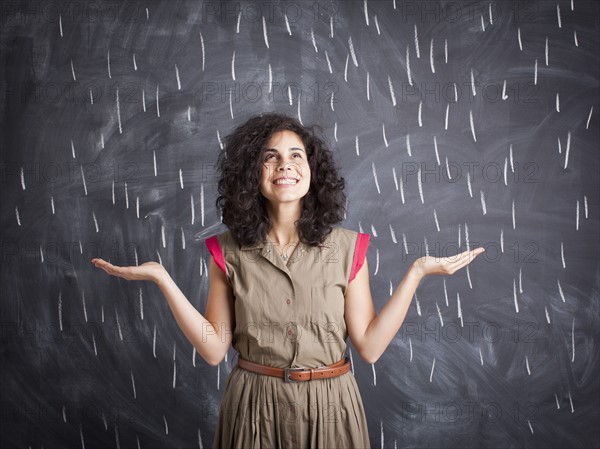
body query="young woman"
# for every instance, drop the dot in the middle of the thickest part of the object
(286, 288)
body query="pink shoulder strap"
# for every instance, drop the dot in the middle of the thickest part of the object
(212, 243)
(360, 252)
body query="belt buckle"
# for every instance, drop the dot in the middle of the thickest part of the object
(286, 374)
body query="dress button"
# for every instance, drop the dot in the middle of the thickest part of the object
(290, 332)
(288, 300)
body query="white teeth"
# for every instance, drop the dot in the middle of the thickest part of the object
(285, 181)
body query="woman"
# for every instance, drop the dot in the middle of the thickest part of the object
(286, 288)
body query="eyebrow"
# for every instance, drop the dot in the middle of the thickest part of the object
(289, 149)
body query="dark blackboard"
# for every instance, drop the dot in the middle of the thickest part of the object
(456, 124)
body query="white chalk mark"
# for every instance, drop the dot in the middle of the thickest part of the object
(331, 26)
(141, 304)
(472, 125)
(547, 314)
(473, 91)
(299, 113)
(233, 65)
(23, 177)
(558, 15)
(562, 255)
(175, 374)
(446, 293)
(490, 13)
(459, 309)
(557, 102)
(126, 197)
(181, 178)
(447, 114)
(483, 206)
(166, 425)
(366, 12)
(519, 38)
(420, 186)
(455, 93)
(417, 43)
(134, 63)
(504, 96)
(162, 236)
(505, 170)
(189, 113)
(404, 243)
(515, 295)
(331, 100)
(520, 279)
(408, 144)
(91, 97)
(535, 72)
(469, 185)
(513, 214)
(546, 51)
(510, 154)
(408, 66)
(392, 91)
(154, 342)
(356, 145)
(270, 79)
(395, 177)
(393, 234)
(467, 243)
(585, 206)
(72, 150)
(432, 368)
(231, 104)
(60, 310)
(480, 357)
(589, 118)
(346, 67)
(119, 112)
(572, 5)
(573, 340)
(113, 191)
(368, 87)
(177, 76)
(567, 149)
(377, 25)
(193, 208)
(83, 180)
(202, 204)
(155, 166)
(575, 38)
(328, 62)
(375, 177)
(527, 365)
(157, 104)
(418, 305)
(446, 51)
(147, 14)
(143, 99)
(402, 190)
(431, 57)
(426, 246)
(560, 291)
(571, 401)
(73, 71)
(335, 131)
(287, 24)
(118, 324)
(352, 51)
(420, 112)
(439, 314)
(385, 141)
(376, 259)
(60, 24)
(374, 374)
(450, 176)
(239, 20)
(265, 35)
(482, 23)
(435, 149)
(530, 427)
(435, 217)
(108, 62)
(133, 385)
(202, 48)
(410, 347)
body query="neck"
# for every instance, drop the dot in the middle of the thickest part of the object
(283, 227)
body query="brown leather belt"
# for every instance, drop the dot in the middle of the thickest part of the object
(298, 374)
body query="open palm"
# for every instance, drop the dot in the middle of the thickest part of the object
(148, 271)
(446, 265)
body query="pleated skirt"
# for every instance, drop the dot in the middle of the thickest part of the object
(259, 411)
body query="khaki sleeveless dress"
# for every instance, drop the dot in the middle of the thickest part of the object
(290, 314)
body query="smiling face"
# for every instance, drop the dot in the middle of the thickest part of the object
(285, 173)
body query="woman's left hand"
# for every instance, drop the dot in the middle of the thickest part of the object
(426, 265)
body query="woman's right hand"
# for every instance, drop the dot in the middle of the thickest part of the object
(149, 271)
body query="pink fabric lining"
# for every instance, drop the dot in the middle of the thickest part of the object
(360, 251)
(212, 243)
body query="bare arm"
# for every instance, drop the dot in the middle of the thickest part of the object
(371, 333)
(210, 335)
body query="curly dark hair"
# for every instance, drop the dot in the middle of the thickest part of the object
(239, 167)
